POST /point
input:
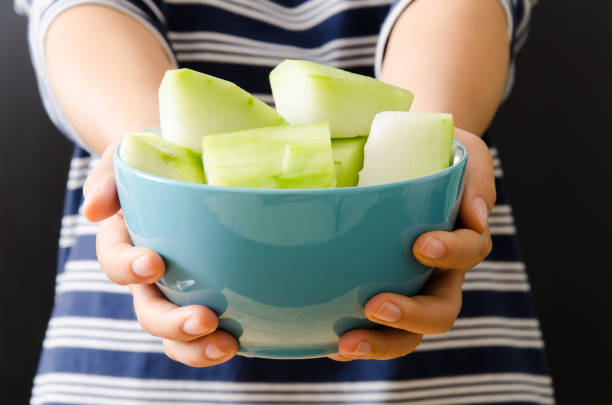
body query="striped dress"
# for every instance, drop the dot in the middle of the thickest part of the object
(95, 351)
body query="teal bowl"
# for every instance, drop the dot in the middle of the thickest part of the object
(288, 271)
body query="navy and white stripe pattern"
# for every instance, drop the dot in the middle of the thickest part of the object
(126, 335)
(95, 351)
(490, 388)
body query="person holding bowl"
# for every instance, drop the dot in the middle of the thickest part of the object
(99, 64)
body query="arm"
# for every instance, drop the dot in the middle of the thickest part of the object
(453, 55)
(105, 69)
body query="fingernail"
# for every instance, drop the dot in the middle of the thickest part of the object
(363, 349)
(142, 267)
(433, 248)
(193, 327)
(388, 313)
(213, 352)
(479, 206)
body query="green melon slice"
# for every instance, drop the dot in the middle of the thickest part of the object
(193, 104)
(306, 92)
(405, 145)
(348, 158)
(293, 156)
(153, 154)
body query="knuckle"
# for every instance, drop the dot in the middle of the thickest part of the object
(416, 341)
(453, 247)
(487, 246)
(147, 324)
(418, 320)
(143, 323)
(168, 350)
(148, 329)
(489, 156)
(453, 243)
(410, 346)
(110, 271)
(385, 351)
(100, 242)
(113, 275)
(453, 306)
(445, 325)
(409, 343)
(478, 143)
(493, 193)
(467, 137)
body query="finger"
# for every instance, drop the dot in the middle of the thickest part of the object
(101, 200)
(379, 344)
(459, 250)
(160, 317)
(433, 311)
(479, 193)
(210, 350)
(122, 262)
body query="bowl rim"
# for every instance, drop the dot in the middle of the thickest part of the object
(457, 165)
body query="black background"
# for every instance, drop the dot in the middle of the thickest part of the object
(554, 137)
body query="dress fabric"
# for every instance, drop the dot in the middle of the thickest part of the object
(95, 352)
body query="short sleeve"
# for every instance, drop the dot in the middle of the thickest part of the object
(42, 12)
(518, 14)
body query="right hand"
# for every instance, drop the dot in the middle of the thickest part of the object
(189, 333)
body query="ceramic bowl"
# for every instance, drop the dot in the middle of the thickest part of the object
(288, 271)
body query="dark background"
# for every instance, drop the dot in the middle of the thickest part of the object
(554, 136)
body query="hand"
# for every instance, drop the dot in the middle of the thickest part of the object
(189, 333)
(435, 310)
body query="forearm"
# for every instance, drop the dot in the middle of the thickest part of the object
(453, 55)
(105, 69)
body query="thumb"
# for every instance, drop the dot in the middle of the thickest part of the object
(479, 193)
(101, 200)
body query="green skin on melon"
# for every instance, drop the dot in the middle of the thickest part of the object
(306, 92)
(280, 157)
(348, 158)
(153, 154)
(246, 143)
(193, 104)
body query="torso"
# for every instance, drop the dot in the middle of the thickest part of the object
(493, 354)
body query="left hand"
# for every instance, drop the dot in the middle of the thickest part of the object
(435, 310)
